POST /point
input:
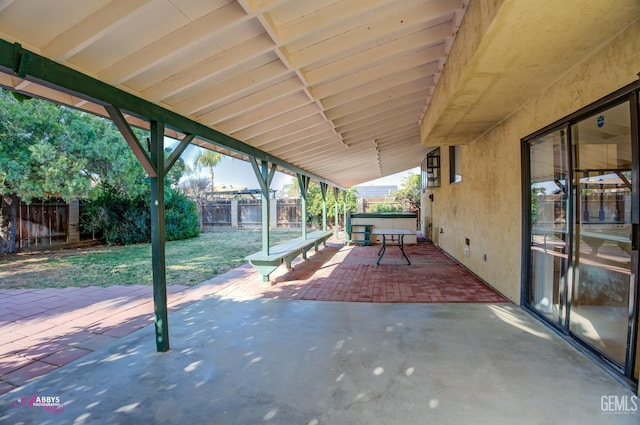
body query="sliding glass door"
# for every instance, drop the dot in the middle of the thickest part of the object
(582, 227)
(602, 234)
(549, 232)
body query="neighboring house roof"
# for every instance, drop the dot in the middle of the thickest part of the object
(376, 191)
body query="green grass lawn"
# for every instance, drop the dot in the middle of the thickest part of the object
(188, 262)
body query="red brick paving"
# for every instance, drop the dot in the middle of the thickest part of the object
(28, 372)
(350, 273)
(43, 329)
(66, 355)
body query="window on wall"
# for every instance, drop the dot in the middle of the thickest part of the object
(431, 170)
(455, 164)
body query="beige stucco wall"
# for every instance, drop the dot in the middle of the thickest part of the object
(508, 51)
(485, 206)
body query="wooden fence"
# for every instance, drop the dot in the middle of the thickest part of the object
(216, 213)
(289, 213)
(54, 222)
(48, 222)
(248, 213)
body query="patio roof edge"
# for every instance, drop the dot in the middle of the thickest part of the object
(25, 64)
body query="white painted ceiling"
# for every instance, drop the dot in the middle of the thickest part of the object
(334, 87)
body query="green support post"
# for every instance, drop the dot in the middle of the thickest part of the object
(265, 177)
(158, 238)
(157, 168)
(323, 189)
(336, 192)
(266, 235)
(303, 182)
(344, 212)
(347, 220)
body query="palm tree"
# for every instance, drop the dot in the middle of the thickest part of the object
(208, 159)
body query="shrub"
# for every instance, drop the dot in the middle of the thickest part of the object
(181, 217)
(386, 208)
(116, 218)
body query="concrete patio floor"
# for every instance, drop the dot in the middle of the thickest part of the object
(244, 352)
(299, 362)
(43, 329)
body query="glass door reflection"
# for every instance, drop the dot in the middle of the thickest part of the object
(599, 311)
(549, 226)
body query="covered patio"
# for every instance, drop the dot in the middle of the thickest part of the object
(246, 352)
(44, 329)
(341, 93)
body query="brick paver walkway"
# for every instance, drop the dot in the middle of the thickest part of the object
(43, 329)
(350, 273)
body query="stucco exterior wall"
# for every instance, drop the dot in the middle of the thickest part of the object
(478, 21)
(486, 206)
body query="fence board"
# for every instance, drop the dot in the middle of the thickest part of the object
(43, 223)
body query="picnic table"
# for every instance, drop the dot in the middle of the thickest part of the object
(397, 239)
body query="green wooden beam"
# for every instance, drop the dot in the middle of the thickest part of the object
(16, 60)
(158, 239)
(20, 60)
(323, 189)
(264, 177)
(132, 140)
(344, 212)
(186, 141)
(264, 174)
(155, 167)
(272, 173)
(258, 172)
(303, 184)
(336, 192)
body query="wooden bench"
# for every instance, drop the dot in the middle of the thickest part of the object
(286, 252)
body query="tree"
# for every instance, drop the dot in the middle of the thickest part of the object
(409, 192)
(314, 203)
(195, 188)
(49, 149)
(291, 190)
(34, 160)
(208, 159)
(52, 150)
(177, 171)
